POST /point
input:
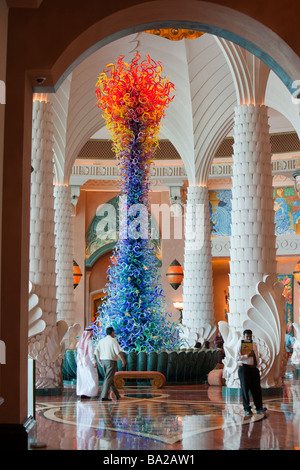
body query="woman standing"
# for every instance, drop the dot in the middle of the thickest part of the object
(87, 374)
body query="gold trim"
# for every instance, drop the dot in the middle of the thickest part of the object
(175, 34)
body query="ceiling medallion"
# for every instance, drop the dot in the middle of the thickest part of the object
(175, 34)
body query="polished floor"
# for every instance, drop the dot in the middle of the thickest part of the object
(174, 418)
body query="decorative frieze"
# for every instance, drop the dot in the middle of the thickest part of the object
(83, 172)
(285, 245)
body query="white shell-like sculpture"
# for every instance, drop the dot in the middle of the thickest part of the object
(266, 318)
(231, 336)
(47, 350)
(54, 340)
(35, 323)
(193, 335)
(74, 332)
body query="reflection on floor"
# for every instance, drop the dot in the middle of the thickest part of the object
(173, 418)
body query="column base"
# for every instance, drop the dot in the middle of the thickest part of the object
(46, 392)
(18, 436)
(232, 394)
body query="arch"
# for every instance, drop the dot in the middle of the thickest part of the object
(85, 118)
(218, 20)
(52, 45)
(212, 146)
(201, 76)
(278, 97)
(229, 23)
(249, 74)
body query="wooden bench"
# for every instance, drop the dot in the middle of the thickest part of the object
(158, 379)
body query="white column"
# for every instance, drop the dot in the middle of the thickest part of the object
(253, 240)
(64, 253)
(45, 334)
(198, 306)
(42, 239)
(256, 300)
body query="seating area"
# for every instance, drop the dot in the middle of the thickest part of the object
(158, 380)
(186, 366)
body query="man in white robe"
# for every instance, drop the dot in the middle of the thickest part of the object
(87, 374)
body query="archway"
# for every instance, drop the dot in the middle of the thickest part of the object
(73, 41)
(237, 24)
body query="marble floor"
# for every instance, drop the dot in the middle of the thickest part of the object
(175, 418)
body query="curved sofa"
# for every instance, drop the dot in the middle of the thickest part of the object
(183, 366)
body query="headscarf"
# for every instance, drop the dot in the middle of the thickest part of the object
(83, 346)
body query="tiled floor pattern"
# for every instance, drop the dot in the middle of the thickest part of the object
(173, 418)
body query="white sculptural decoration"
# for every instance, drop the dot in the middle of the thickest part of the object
(191, 336)
(45, 344)
(266, 318)
(73, 335)
(35, 322)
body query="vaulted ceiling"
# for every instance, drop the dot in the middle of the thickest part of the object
(211, 77)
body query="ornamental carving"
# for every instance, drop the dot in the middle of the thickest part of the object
(175, 34)
(266, 318)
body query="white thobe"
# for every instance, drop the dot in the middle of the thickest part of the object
(87, 374)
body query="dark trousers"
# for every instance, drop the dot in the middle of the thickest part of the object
(109, 368)
(250, 382)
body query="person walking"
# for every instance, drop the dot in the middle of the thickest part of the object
(249, 374)
(87, 383)
(289, 340)
(108, 352)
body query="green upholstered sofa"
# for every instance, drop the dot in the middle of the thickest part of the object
(183, 366)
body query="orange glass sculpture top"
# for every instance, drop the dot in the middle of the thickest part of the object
(133, 92)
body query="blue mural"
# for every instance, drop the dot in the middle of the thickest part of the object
(282, 219)
(220, 212)
(286, 210)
